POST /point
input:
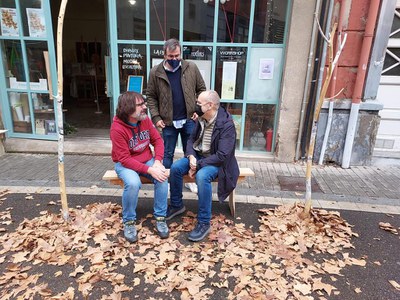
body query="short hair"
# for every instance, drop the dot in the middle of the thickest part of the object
(127, 105)
(171, 45)
(213, 97)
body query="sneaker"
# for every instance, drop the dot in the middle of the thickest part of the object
(173, 212)
(191, 186)
(130, 232)
(162, 227)
(199, 232)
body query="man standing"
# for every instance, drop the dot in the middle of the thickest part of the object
(172, 90)
(131, 134)
(210, 154)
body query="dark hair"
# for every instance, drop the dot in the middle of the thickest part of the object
(127, 105)
(171, 45)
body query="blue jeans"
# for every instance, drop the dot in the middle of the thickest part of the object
(170, 137)
(132, 185)
(204, 178)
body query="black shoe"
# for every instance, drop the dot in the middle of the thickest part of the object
(199, 232)
(173, 212)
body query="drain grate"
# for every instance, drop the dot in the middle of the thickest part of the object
(297, 184)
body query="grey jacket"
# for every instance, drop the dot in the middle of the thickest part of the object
(159, 94)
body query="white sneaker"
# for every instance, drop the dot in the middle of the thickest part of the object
(191, 186)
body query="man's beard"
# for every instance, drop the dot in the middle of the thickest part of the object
(140, 116)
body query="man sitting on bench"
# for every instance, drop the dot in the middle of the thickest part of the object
(210, 153)
(131, 134)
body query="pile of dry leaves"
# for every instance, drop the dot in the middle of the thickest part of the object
(286, 257)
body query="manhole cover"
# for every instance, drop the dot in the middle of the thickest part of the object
(297, 184)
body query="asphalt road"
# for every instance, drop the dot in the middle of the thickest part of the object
(381, 250)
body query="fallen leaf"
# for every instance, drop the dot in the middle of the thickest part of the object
(395, 284)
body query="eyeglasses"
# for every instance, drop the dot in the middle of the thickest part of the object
(170, 56)
(141, 104)
(201, 104)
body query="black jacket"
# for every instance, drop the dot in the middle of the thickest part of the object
(222, 152)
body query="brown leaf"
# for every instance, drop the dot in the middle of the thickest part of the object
(395, 284)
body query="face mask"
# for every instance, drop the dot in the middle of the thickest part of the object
(199, 111)
(174, 63)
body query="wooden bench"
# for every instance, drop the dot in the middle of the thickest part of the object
(112, 177)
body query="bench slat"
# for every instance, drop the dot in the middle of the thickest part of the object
(112, 177)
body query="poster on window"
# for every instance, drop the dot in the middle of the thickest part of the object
(9, 24)
(229, 70)
(266, 70)
(36, 22)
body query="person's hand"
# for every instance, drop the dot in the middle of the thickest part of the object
(192, 162)
(192, 173)
(160, 124)
(158, 164)
(158, 174)
(194, 117)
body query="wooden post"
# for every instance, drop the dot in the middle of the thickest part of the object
(59, 98)
(310, 152)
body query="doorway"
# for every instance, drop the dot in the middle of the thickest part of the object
(85, 103)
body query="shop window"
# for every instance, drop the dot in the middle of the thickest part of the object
(37, 67)
(198, 23)
(13, 62)
(235, 109)
(202, 57)
(269, 21)
(164, 20)
(20, 112)
(132, 62)
(259, 127)
(233, 21)
(131, 18)
(230, 73)
(43, 109)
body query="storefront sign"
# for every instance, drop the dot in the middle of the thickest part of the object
(130, 58)
(231, 54)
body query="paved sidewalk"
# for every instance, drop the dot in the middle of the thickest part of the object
(375, 189)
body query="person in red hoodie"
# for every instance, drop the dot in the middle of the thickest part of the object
(132, 133)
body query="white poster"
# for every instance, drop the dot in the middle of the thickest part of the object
(229, 70)
(266, 68)
(36, 22)
(9, 24)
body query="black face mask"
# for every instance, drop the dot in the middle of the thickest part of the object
(198, 110)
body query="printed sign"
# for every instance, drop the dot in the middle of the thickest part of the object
(9, 24)
(36, 22)
(135, 84)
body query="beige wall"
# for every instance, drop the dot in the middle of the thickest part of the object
(298, 47)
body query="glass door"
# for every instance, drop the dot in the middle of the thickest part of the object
(28, 76)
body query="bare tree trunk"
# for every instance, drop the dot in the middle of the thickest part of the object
(310, 152)
(61, 176)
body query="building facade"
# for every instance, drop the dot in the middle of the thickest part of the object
(258, 55)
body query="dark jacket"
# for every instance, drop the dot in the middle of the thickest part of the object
(159, 94)
(223, 141)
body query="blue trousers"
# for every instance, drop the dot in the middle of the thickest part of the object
(204, 177)
(132, 185)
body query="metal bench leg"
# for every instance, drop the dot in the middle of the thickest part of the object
(232, 203)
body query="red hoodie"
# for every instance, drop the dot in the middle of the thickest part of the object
(130, 144)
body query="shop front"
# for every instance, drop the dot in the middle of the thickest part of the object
(238, 46)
